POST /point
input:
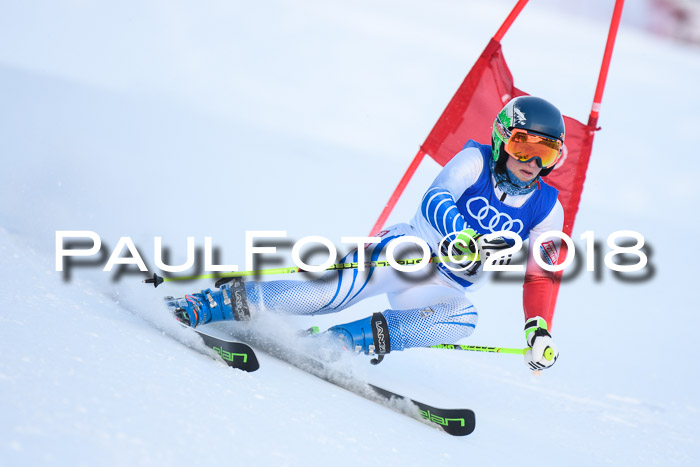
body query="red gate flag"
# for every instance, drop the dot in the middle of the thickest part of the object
(470, 115)
(473, 108)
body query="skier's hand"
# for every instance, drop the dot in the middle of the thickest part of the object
(494, 245)
(487, 246)
(543, 352)
(475, 249)
(463, 244)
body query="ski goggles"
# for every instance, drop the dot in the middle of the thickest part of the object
(525, 146)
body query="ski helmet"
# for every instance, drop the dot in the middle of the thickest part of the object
(523, 120)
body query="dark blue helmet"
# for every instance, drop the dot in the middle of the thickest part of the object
(533, 114)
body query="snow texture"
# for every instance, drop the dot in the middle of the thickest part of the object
(148, 119)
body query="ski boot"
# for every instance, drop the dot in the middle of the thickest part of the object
(368, 335)
(228, 303)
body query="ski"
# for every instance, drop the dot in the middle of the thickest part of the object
(235, 354)
(456, 422)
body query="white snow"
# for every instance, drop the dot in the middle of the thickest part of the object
(147, 119)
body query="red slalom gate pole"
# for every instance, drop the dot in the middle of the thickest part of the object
(509, 20)
(592, 123)
(605, 66)
(398, 191)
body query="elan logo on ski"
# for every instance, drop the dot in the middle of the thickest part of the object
(235, 354)
(441, 420)
(230, 356)
(456, 422)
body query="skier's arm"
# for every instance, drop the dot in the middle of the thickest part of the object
(537, 293)
(539, 284)
(439, 206)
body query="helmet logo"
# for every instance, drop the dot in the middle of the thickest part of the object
(502, 132)
(519, 116)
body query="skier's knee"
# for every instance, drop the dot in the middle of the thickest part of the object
(442, 323)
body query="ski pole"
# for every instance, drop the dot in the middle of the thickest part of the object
(479, 348)
(156, 280)
(548, 352)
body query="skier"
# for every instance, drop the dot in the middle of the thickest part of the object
(484, 189)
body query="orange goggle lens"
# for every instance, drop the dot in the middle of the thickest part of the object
(525, 146)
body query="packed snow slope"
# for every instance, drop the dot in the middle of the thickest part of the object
(147, 119)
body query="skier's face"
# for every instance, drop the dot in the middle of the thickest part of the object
(525, 171)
